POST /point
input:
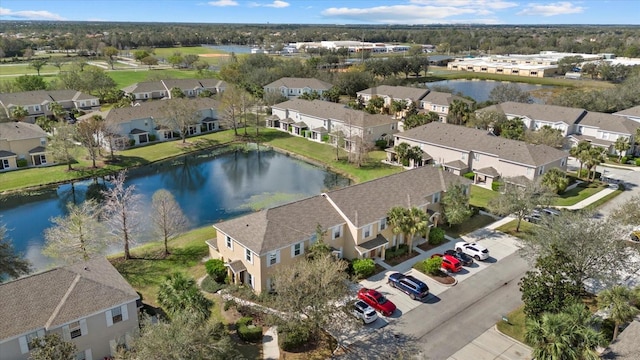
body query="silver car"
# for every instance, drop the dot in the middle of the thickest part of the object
(364, 312)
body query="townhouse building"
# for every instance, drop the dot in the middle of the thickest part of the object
(161, 89)
(37, 103)
(22, 142)
(292, 87)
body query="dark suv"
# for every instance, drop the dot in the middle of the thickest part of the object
(409, 285)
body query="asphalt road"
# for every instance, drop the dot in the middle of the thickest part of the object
(448, 322)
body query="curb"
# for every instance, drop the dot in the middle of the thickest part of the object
(495, 327)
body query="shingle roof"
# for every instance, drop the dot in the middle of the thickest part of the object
(274, 228)
(42, 96)
(468, 139)
(456, 164)
(370, 201)
(397, 92)
(55, 297)
(625, 347)
(13, 131)
(5, 153)
(634, 111)
(490, 171)
(299, 83)
(153, 109)
(609, 122)
(284, 225)
(184, 84)
(145, 86)
(443, 98)
(329, 110)
(551, 113)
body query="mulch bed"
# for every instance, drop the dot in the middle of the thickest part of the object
(402, 258)
(426, 246)
(443, 278)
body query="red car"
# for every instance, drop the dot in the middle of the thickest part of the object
(377, 301)
(449, 263)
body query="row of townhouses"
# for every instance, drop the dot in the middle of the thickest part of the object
(161, 89)
(254, 246)
(88, 304)
(37, 103)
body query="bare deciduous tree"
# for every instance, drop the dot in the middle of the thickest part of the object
(77, 236)
(167, 216)
(180, 116)
(61, 144)
(11, 264)
(122, 212)
(88, 133)
(520, 200)
(231, 107)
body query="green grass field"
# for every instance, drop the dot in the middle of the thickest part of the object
(24, 69)
(480, 196)
(124, 78)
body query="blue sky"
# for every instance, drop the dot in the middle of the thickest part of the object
(329, 11)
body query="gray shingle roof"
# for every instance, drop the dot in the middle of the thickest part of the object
(456, 164)
(397, 92)
(153, 109)
(634, 111)
(5, 153)
(329, 110)
(284, 225)
(20, 131)
(55, 297)
(468, 139)
(299, 83)
(42, 97)
(625, 347)
(609, 122)
(490, 171)
(443, 98)
(145, 86)
(551, 113)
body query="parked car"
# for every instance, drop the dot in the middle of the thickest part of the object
(534, 217)
(364, 312)
(550, 212)
(377, 301)
(449, 263)
(409, 285)
(464, 259)
(474, 250)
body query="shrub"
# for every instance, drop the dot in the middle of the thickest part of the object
(432, 266)
(470, 175)
(152, 137)
(325, 138)
(247, 331)
(229, 304)
(131, 142)
(381, 144)
(495, 186)
(436, 236)
(638, 162)
(623, 160)
(210, 285)
(216, 269)
(21, 162)
(363, 268)
(393, 253)
(292, 336)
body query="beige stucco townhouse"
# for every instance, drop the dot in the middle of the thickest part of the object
(460, 149)
(37, 103)
(292, 87)
(89, 304)
(603, 130)
(22, 141)
(406, 94)
(161, 89)
(254, 246)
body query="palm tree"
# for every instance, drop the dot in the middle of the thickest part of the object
(19, 113)
(179, 293)
(594, 157)
(622, 146)
(459, 112)
(397, 217)
(402, 152)
(556, 180)
(57, 110)
(578, 151)
(565, 335)
(417, 222)
(618, 300)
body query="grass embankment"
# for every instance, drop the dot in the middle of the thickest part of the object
(480, 197)
(34, 177)
(149, 267)
(577, 194)
(515, 328)
(527, 229)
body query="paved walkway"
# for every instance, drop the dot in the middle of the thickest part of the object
(588, 201)
(493, 345)
(270, 348)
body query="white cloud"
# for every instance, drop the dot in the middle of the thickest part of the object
(221, 3)
(399, 14)
(551, 9)
(474, 4)
(30, 14)
(278, 4)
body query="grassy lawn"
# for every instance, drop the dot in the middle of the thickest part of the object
(480, 196)
(515, 328)
(149, 268)
(526, 229)
(452, 75)
(125, 78)
(577, 194)
(33, 177)
(596, 204)
(474, 223)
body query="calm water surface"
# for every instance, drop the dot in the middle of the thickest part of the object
(209, 187)
(238, 49)
(480, 89)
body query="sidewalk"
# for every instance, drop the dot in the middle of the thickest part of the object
(270, 348)
(493, 345)
(588, 201)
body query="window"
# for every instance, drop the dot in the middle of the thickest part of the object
(562, 162)
(43, 141)
(229, 242)
(528, 171)
(541, 170)
(366, 231)
(383, 224)
(605, 136)
(36, 108)
(247, 255)
(250, 280)
(273, 258)
(296, 250)
(464, 156)
(4, 164)
(116, 315)
(74, 330)
(476, 156)
(313, 238)
(436, 198)
(30, 338)
(337, 232)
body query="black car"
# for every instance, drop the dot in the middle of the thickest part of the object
(464, 259)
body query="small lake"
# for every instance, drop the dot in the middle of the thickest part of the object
(238, 49)
(480, 89)
(209, 187)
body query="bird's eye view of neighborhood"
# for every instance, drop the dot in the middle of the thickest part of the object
(319, 179)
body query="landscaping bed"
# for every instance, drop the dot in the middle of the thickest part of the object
(394, 257)
(426, 246)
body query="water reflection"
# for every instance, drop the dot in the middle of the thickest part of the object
(208, 186)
